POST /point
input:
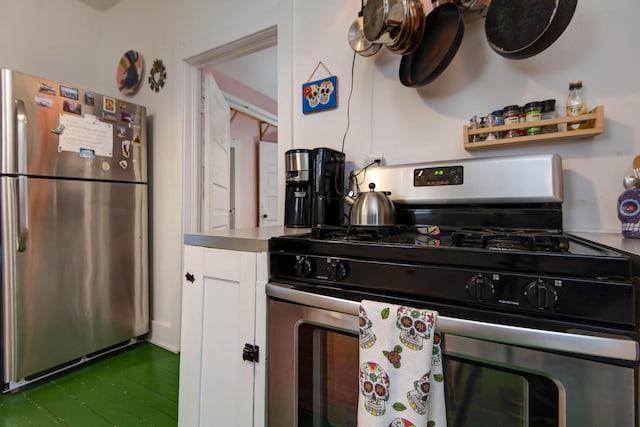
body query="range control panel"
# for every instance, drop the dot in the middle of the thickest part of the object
(428, 177)
(515, 292)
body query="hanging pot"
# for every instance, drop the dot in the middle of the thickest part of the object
(359, 42)
(443, 31)
(371, 208)
(521, 29)
(412, 29)
(383, 20)
(396, 24)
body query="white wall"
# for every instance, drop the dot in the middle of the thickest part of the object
(600, 46)
(173, 31)
(58, 40)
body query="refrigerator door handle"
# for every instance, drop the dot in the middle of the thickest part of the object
(23, 195)
(21, 136)
(23, 214)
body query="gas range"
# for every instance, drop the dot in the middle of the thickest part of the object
(490, 250)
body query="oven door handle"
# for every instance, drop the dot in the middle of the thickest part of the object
(588, 345)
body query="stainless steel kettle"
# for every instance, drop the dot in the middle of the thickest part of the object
(371, 208)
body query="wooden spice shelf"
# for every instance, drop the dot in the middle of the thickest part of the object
(594, 119)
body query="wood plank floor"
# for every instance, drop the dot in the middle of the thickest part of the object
(137, 386)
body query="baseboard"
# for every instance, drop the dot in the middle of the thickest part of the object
(164, 336)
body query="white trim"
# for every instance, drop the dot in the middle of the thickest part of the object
(250, 109)
(192, 137)
(237, 184)
(236, 49)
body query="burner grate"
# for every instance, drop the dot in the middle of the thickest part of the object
(511, 239)
(366, 233)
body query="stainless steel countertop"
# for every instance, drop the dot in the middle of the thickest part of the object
(247, 239)
(257, 239)
(612, 240)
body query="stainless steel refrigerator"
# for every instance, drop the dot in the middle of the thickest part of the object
(74, 224)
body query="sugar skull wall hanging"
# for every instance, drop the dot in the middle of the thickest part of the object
(320, 94)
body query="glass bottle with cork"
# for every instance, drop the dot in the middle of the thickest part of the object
(576, 105)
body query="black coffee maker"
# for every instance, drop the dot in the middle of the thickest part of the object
(297, 204)
(327, 186)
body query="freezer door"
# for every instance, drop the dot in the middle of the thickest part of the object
(59, 130)
(75, 279)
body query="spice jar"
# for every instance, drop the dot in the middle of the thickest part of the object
(549, 112)
(483, 124)
(511, 115)
(576, 105)
(533, 112)
(499, 121)
(492, 121)
(522, 119)
(473, 125)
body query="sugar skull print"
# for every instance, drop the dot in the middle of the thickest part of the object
(325, 91)
(367, 337)
(401, 422)
(311, 94)
(415, 326)
(419, 397)
(374, 386)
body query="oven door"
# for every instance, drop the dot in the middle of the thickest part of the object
(313, 369)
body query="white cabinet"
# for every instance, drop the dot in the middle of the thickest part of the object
(223, 311)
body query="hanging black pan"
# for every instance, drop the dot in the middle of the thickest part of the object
(521, 29)
(443, 31)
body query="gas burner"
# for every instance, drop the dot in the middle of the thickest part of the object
(366, 233)
(511, 239)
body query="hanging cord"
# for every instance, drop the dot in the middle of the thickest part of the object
(352, 176)
(344, 137)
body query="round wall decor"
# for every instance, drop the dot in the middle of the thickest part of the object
(129, 72)
(157, 75)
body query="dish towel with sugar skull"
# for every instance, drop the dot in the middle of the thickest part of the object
(401, 379)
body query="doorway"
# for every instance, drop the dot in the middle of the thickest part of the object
(193, 197)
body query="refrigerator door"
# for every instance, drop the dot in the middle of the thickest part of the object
(68, 132)
(74, 270)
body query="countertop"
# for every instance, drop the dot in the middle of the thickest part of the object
(257, 239)
(247, 239)
(612, 240)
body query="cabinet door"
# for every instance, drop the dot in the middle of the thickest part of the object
(191, 337)
(228, 323)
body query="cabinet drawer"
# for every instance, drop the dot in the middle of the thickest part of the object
(222, 264)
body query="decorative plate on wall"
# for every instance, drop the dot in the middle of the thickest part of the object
(129, 72)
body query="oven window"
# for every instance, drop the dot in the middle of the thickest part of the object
(479, 395)
(327, 368)
(476, 394)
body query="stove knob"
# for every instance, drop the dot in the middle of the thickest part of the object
(480, 288)
(303, 267)
(337, 270)
(540, 294)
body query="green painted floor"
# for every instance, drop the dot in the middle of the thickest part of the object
(137, 386)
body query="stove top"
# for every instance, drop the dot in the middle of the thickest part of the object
(491, 238)
(469, 237)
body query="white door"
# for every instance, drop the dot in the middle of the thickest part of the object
(216, 197)
(268, 177)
